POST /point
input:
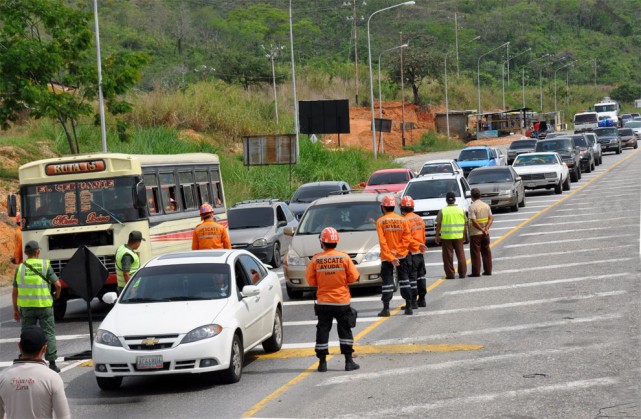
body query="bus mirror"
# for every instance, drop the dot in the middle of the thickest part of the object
(12, 208)
(141, 195)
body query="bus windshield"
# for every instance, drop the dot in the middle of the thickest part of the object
(91, 202)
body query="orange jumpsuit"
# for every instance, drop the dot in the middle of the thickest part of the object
(394, 239)
(210, 235)
(417, 267)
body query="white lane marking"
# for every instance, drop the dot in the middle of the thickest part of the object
(561, 266)
(541, 233)
(618, 236)
(313, 322)
(520, 213)
(587, 213)
(614, 187)
(535, 284)
(537, 200)
(520, 303)
(560, 252)
(493, 330)
(5, 364)
(72, 366)
(412, 370)
(535, 206)
(419, 409)
(575, 222)
(61, 337)
(354, 300)
(501, 228)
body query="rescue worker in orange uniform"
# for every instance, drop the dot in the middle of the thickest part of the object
(16, 259)
(394, 239)
(416, 249)
(331, 271)
(209, 234)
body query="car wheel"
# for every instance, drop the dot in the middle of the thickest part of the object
(522, 203)
(59, 308)
(235, 371)
(558, 189)
(515, 207)
(275, 342)
(566, 184)
(574, 176)
(601, 159)
(293, 294)
(636, 145)
(588, 168)
(277, 259)
(618, 150)
(593, 165)
(578, 171)
(109, 383)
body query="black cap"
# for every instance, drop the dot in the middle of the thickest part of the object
(31, 246)
(32, 339)
(136, 236)
(450, 198)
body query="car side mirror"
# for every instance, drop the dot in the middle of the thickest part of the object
(250, 291)
(141, 196)
(282, 223)
(110, 298)
(289, 231)
(12, 209)
(362, 184)
(468, 194)
(287, 202)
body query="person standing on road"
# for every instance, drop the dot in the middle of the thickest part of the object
(417, 247)
(209, 234)
(331, 272)
(450, 231)
(481, 220)
(28, 389)
(394, 239)
(16, 259)
(127, 260)
(32, 297)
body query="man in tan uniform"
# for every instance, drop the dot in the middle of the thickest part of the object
(481, 219)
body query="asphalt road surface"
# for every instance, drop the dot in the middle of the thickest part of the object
(553, 333)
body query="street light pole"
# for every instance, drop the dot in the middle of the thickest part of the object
(402, 98)
(369, 58)
(273, 53)
(523, 78)
(478, 83)
(447, 105)
(291, 47)
(380, 97)
(101, 100)
(508, 73)
(556, 71)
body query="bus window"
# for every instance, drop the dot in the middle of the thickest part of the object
(186, 180)
(215, 185)
(202, 182)
(168, 192)
(151, 185)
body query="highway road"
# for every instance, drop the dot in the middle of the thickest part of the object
(554, 332)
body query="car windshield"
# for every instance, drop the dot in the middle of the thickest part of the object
(344, 217)
(490, 176)
(181, 282)
(387, 178)
(600, 132)
(239, 218)
(434, 188)
(436, 168)
(559, 145)
(605, 108)
(534, 160)
(478, 154)
(626, 131)
(633, 124)
(585, 118)
(312, 193)
(519, 144)
(580, 141)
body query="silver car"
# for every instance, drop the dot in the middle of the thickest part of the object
(501, 187)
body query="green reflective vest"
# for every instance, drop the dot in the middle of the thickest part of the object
(452, 222)
(122, 251)
(33, 291)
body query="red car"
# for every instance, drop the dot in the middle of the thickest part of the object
(388, 180)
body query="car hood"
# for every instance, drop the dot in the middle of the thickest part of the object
(492, 187)
(307, 245)
(539, 168)
(473, 163)
(248, 235)
(149, 319)
(390, 187)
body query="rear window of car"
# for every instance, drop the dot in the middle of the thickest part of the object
(436, 168)
(626, 131)
(312, 193)
(256, 217)
(555, 145)
(585, 118)
(605, 131)
(522, 144)
(526, 160)
(490, 176)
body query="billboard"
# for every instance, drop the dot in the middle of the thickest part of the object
(324, 116)
(261, 150)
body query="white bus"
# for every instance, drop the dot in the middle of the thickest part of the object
(96, 200)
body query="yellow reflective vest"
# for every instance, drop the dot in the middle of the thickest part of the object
(452, 222)
(122, 251)
(33, 290)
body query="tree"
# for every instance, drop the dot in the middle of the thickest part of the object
(418, 65)
(47, 66)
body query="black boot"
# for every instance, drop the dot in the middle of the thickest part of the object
(350, 365)
(322, 365)
(385, 311)
(422, 303)
(414, 303)
(408, 307)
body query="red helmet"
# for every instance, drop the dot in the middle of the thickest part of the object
(206, 208)
(18, 218)
(388, 201)
(329, 235)
(407, 201)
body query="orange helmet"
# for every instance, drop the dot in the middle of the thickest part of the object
(18, 218)
(206, 208)
(388, 201)
(407, 201)
(329, 235)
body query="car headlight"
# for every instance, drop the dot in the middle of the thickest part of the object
(506, 192)
(614, 140)
(373, 254)
(260, 243)
(202, 332)
(294, 260)
(550, 175)
(107, 338)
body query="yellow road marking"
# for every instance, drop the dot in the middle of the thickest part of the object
(87, 364)
(261, 404)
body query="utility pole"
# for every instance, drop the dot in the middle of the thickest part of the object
(595, 72)
(402, 97)
(355, 56)
(458, 73)
(508, 64)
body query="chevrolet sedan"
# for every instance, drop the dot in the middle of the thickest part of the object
(500, 187)
(189, 313)
(543, 171)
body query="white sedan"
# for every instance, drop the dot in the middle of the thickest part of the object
(542, 171)
(189, 312)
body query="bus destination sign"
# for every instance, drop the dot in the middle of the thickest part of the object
(75, 167)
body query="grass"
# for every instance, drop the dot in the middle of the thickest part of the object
(432, 141)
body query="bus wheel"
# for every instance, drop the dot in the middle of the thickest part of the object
(59, 309)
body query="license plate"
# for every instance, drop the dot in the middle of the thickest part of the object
(149, 362)
(429, 223)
